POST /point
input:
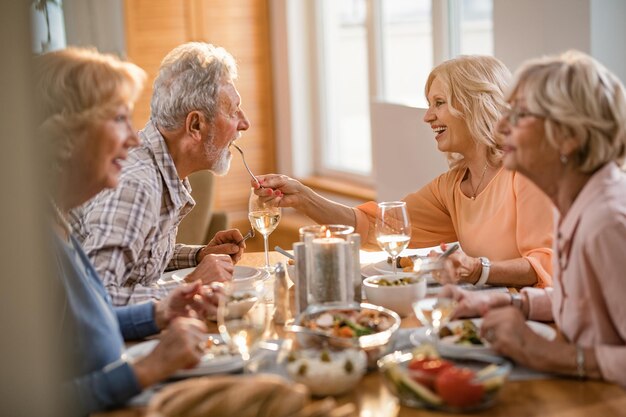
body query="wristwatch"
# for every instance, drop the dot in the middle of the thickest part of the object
(484, 275)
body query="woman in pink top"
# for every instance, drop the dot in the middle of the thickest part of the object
(566, 131)
(502, 221)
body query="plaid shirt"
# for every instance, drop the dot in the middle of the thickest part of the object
(129, 232)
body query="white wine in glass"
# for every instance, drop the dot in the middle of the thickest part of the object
(393, 229)
(264, 216)
(242, 316)
(434, 313)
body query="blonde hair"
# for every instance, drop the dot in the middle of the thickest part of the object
(189, 79)
(77, 88)
(580, 99)
(474, 86)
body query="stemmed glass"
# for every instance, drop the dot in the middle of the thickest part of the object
(393, 228)
(434, 313)
(242, 315)
(264, 216)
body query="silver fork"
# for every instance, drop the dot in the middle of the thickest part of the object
(246, 236)
(243, 158)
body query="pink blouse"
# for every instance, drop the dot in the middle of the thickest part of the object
(588, 301)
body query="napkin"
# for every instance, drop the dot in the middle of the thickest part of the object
(242, 396)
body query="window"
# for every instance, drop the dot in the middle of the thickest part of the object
(364, 50)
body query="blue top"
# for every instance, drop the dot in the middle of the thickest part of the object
(101, 376)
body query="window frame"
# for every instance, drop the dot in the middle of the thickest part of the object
(302, 125)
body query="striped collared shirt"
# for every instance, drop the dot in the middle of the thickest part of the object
(129, 232)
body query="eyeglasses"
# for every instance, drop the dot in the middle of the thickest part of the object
(514, 114)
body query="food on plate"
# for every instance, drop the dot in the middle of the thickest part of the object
(217, 348)
(404, 262)
(429, 380)
(349, 323)
(465, 334)
(382, 282)
(327, 372)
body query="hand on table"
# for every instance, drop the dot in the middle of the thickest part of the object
(180, 347)
(227, 242)
(212, 268)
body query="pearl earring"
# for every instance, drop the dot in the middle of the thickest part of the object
(563, 159)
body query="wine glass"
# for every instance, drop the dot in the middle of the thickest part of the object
(242, 315)
(393, 229)
(264, 216)
(434, 313)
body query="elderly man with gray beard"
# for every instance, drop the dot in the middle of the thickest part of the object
(129, 232)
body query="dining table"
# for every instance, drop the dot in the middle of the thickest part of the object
(545, 395)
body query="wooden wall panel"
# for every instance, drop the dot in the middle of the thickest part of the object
(154, 27)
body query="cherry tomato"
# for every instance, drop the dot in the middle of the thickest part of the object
(455, 387)
(425, 371)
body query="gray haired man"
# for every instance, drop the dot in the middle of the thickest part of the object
(129, 232)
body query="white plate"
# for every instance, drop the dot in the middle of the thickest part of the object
(448, 348)
(241, 272)
(209, 364)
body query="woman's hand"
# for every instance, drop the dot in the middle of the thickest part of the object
(191, 300)
(181, 347)
(460, 268)
(474, 303)
(227, 242)
(281, 190)
(507, 332)
(212, 268)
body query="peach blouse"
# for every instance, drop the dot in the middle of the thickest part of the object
(588, 299)
(509, 219)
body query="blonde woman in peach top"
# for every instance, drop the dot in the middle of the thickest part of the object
(566, 132)
(502, 221)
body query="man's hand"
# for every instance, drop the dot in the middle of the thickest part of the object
(227, 242)
(212, 268)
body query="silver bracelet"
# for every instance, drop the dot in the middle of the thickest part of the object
(580, 362)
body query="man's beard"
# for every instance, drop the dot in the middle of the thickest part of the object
(220, 157)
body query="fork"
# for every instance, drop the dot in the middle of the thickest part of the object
(246, 236)
(243, 158)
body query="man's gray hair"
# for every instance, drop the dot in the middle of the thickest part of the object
(189, 79)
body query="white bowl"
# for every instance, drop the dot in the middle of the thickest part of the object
(337, 373)
(398, 298)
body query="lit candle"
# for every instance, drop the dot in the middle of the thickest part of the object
(328, 278)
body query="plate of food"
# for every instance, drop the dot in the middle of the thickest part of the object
(240, 273)
(461, 338)
(421, 378)
(218, 357)
(367, 326)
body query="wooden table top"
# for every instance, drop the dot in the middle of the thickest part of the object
(561, 397)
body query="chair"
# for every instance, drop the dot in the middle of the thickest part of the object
(404, 151)
(201, 224)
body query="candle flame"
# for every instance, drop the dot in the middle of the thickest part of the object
(328, 233)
